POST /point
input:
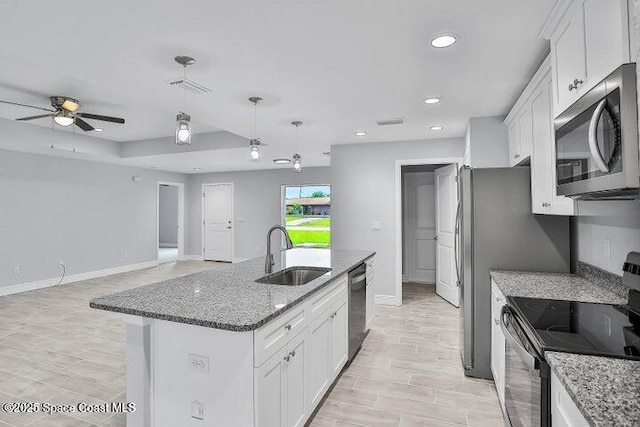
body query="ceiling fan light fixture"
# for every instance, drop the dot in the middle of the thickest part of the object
(70, 104)
(183, 129)
(63, 118)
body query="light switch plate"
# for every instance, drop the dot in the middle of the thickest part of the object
(199, 363)
(197, 410)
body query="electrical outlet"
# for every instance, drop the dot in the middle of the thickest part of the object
(197, 410)
(199, 363)
(607, 248)
(16, 270)
(376, 226)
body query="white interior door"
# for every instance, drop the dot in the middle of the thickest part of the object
(446, 204)
(420, 227)
(218, 222)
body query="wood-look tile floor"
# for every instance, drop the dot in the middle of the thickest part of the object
(54, 348)
(408, 372)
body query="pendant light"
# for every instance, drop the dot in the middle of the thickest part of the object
(183, 120)
(254, 143)
(297, 159)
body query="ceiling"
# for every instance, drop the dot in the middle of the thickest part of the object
(336, 65)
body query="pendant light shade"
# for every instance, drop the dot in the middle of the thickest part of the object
(254, 154)
(183, 121)
(183, 129)
(254, 143)
(297, 163)
(297, 159)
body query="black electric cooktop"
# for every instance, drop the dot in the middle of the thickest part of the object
(580, 327)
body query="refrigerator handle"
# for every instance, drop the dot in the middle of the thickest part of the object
(456, 246)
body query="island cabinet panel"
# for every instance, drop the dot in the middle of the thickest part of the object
(270, 391)
(370, 292)
(194, 366)
(564, 412)
(296, 374)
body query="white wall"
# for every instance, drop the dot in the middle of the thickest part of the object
(168, 216)
(487, 143)
(363, 190)
(617, 221)
(90, 215)
(258, 204)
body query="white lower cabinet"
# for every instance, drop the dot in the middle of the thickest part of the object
(497, 342)
(293, 381)
(564, 412)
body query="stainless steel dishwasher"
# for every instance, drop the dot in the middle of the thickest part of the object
(357, 308)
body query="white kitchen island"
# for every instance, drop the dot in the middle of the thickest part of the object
(217, 348)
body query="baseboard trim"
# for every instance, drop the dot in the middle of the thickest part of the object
(193, 258)
(387, 300)
(46, 283)
(235, 260)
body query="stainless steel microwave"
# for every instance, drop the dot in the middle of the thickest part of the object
(597, 141)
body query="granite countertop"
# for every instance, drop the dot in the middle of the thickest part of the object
(561, 286)
(606, 390)
(229, 298)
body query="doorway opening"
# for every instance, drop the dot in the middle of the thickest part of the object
(170, 220)
(426, 206)
(217, 222)
(306, 214)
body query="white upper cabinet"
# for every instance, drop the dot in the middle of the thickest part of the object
(531, 135)
(589, 39)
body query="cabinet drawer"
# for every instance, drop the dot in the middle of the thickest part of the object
(272, 336)
(326, 297)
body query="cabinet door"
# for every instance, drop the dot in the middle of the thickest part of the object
(370, 303)
(514, 142)
(606, 37)
(339, 337)
(296, 393)
(320, 357)
(542, 162)
(497, 342)
(564, 411)
(526, 132)
(568, 57)
(270, 391)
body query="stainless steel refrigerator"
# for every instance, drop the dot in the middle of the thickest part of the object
(495, 229)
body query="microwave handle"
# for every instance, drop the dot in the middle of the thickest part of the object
(593, 137)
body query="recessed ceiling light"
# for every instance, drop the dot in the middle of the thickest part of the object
(443, 40)
(197, 169)
(360, 133)
(281, 161)
(98, 130)
(436, 128)
(431, 101)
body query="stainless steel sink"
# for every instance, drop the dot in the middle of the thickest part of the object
(294, 276)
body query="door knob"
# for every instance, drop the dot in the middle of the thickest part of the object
(575, 84)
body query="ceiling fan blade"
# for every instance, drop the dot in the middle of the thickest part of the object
(25, 105)
(40, 116)
(99, 117)
(83, 125)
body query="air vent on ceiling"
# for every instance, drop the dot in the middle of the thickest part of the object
(390, 122)
(190, 86)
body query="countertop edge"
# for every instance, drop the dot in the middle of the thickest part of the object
(225, 326)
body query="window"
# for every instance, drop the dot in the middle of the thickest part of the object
(307, 215)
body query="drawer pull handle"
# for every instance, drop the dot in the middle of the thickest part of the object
(287, 327)
(292, 353)
(287, 357)
(498, 299)
(497, 321)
